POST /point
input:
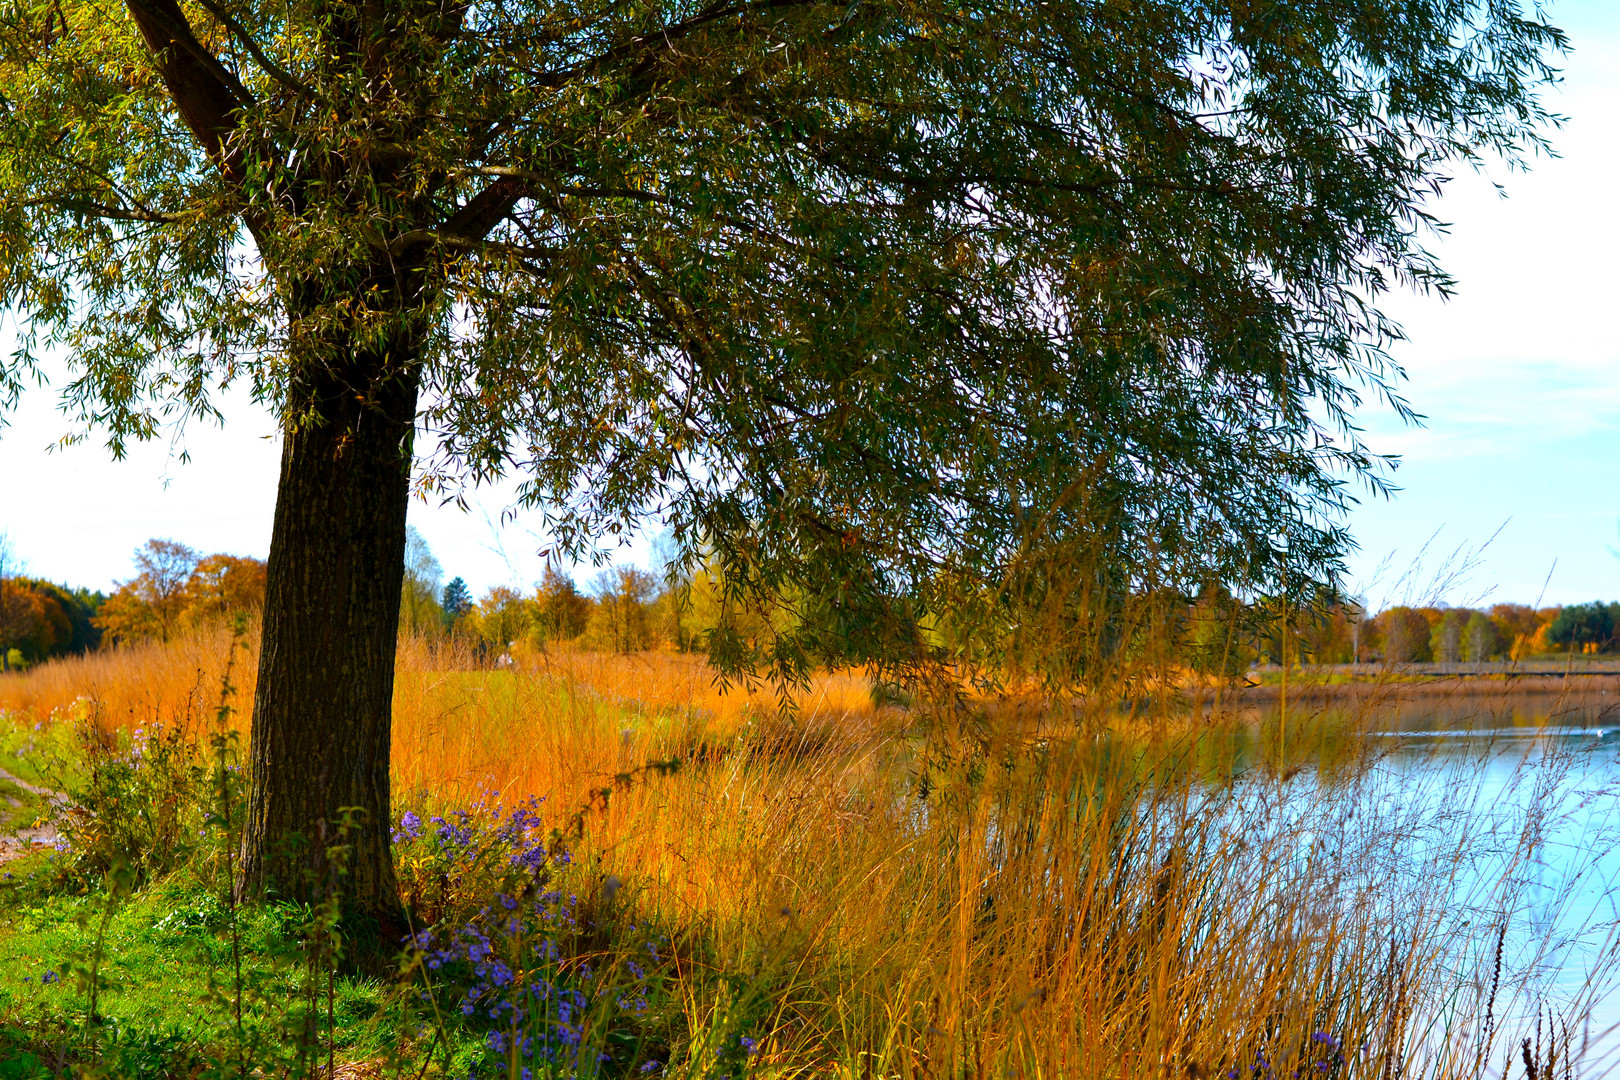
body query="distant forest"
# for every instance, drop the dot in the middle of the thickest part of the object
(176, 589)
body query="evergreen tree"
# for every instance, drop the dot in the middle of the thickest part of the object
(457, 601)
(1579, 625)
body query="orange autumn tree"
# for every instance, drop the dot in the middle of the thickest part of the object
(36, 617)
(223, 585)
(176, 589)
(33, 622)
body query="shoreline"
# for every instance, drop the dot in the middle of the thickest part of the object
(1399, 684)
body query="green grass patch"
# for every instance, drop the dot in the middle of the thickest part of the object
(41, 755)
(164, 978)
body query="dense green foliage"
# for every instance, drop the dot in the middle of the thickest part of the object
(898, 309)
(1584, 624)
(123, 951)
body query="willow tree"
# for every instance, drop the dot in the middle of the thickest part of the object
(903, 308)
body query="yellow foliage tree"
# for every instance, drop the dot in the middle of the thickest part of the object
(620, 621)
(560, 612)
(501, 618)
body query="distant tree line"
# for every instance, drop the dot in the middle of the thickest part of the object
(40, 619)
(627, 609)
(622, 609)
(1449, 635)
(1219, 634)
(175, 589)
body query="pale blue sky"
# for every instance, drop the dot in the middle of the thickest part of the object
(1518, 376)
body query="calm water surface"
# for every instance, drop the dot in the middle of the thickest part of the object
(1515, 801)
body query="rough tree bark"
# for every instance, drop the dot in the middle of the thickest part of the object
(319, 749)
(322, 708)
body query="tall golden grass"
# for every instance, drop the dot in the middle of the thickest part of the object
(172, 682)
(916, 897)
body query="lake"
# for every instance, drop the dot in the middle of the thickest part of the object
(1507, 808)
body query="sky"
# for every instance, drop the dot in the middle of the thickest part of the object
(1518, 375)
(1509, 489)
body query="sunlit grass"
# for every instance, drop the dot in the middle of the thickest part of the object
(981, 892)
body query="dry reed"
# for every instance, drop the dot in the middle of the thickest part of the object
(949, 900)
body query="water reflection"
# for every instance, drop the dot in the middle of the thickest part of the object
(1468, 714)
(1520, 800)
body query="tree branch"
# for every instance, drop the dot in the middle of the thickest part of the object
(91, 208)
(267, 65)
(206, 94)
(486, 209)
(664, 38)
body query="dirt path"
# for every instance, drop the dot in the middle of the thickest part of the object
(16, 844)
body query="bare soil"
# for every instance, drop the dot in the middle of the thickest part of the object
(24, 841)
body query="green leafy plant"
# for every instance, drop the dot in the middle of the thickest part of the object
(139, 802)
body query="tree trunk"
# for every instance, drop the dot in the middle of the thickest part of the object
(322, 710)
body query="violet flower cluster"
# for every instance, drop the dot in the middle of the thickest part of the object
(1323, 1056)
(510, 969)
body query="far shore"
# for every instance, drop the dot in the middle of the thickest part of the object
(1583, 675)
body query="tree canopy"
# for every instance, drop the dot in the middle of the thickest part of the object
(1584, 624)
(176, 588)
(895, 310)
(866, 297)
